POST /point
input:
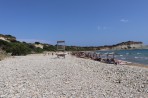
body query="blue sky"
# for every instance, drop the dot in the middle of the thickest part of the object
(78, 22)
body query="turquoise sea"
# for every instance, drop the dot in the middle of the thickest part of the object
(136, 56)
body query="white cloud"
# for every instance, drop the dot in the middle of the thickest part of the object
(124, 20)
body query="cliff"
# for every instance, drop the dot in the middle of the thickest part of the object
(145, 47)
(125, 45)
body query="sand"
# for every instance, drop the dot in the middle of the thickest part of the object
(39, 76)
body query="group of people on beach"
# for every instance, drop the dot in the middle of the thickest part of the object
(109, 58)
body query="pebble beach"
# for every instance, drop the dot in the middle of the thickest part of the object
(46, 76)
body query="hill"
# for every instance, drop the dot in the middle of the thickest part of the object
(8, 38)
(9, 44)
(126, 45)
(119, 46)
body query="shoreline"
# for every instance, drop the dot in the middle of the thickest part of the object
(50, 53)
(128, 63)
(138, 65)
(90, 55)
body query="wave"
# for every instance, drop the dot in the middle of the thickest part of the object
(137, 56)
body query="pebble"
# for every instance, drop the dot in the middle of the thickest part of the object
(42, 76)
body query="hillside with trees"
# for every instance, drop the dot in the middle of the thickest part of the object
(9, 44)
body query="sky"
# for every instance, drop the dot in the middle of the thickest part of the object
(78, 22)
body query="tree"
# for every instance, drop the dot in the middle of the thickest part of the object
(19, 49)
(37, 42)
(38, 50)
(49, 48)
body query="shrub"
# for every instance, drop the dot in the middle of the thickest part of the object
(37, 42)
(19, 49)
(49, 48)
(4, 45)
(38, 50)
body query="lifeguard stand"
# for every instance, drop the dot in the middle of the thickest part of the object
(61, 48)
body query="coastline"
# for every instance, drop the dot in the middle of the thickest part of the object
(137, 57)
(93, 55)
(138, 65)
(129, 63)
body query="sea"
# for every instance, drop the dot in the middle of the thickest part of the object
(136, 56)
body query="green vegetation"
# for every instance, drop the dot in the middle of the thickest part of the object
(49, 48)
(19, 48)
(11, 45)
(38, 50)
(4, 45)
(10, 36)
(22, 48)
(37, 43)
